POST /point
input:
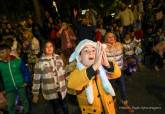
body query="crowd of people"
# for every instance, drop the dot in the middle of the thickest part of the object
(44, 65)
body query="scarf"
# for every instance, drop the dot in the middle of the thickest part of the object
(104, 81)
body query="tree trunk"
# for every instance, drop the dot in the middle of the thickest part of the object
(37, 9)
(3, 8)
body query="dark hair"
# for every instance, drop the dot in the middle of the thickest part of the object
(4, 46)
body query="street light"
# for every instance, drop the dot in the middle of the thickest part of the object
(55, 5)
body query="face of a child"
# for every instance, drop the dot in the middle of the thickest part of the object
(127, 38)
(87, 55)
(50, 20)
(110, 38)
(4, 54)
(49, 49)
(121, 29)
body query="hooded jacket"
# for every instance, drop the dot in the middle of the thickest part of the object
(14, 74)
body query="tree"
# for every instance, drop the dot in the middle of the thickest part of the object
(37, 9)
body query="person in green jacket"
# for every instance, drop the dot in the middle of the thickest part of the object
(15, 76)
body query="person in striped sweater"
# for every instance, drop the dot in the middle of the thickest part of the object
(114, 51)
(50, 76)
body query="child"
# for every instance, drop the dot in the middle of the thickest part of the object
(89, 79)
(129, 54)
(158, 55)
(49, 74)
(30, 49)
(100, 33)
(114, 52)
(68, 39)
(15, 76)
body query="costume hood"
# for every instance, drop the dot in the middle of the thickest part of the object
(79, 47)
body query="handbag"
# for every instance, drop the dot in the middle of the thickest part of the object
(116, 73)
(3, 101)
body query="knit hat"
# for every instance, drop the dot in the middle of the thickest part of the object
(79, 47)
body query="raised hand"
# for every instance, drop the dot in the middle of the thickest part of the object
(105, 59)
(98, 58)
(75, 12)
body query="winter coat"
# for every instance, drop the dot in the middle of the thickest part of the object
(14, 74)
(103, 102)
(50, 76)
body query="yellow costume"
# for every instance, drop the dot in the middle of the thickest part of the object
(103, 102)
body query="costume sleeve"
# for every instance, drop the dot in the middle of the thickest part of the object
(26, 73)
(78, 79)
(36, 79)
(90, 72)
(111, 68)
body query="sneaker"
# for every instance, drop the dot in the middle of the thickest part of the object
(130, 70)
(134, 70)
(127, 107)
(156, 68)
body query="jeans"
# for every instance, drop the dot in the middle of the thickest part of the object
(156, 60)
(121, 85)
(59, 105)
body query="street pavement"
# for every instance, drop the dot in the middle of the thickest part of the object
(146, 92)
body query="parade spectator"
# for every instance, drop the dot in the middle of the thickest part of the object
(158, 55)
(99, 19)
(84, 29)
(45, 24)
(148, 17)
(35, 28)
(30, 49)
(50, 74)
(68, 39)
(100, 33)
(140, 8)
(129, 54)
(126, 17)
(114, 52)
(12, 42)
(15, 76)
(158, 18)
(119, 33)
(91, 15)
(53, 29)
(89, 84)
